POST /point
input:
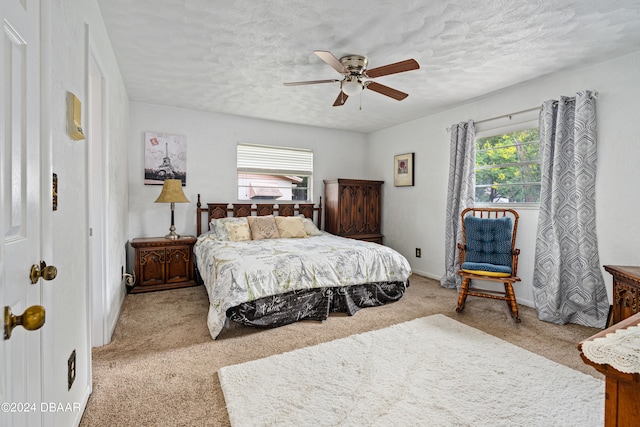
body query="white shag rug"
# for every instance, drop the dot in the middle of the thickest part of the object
(432, 371)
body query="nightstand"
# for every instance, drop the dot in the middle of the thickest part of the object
(162, 263)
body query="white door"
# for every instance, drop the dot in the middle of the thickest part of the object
(20, 247)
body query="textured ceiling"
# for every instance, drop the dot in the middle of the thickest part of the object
(234, 56)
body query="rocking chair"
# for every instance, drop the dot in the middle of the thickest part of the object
(488, 253)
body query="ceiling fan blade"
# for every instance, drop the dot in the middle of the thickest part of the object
(310, 82)
(398, 67)
(330, 59)
(386, 90)
(341, 99)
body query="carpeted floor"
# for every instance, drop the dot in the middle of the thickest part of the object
(161, 367)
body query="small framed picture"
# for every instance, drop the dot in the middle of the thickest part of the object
(403, 170)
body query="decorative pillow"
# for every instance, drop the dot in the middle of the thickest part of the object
(238, 231)
(220, 229)
(310, 227)
(263, 227)
(290, 226)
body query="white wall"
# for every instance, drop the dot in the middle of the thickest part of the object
(415, 216)
(211, 160)
(72, 24)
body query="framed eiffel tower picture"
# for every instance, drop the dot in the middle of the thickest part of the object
(165, 157)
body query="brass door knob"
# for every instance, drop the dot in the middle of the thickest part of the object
(47, 272)
(32, 319)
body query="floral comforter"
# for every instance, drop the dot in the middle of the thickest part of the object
(240, 272)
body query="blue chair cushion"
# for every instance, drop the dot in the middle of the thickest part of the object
(488, 242)
(490, 268)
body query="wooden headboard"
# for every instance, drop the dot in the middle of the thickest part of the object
(223, 210)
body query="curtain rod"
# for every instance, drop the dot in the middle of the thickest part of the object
(594, 95)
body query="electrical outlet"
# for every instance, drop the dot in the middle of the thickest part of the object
(418, 252)
(71, 369)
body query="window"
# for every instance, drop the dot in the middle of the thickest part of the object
(274, 173)
(508, 167)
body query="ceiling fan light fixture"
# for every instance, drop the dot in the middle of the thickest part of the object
(351, 87)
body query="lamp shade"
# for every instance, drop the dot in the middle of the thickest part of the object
(172, 192)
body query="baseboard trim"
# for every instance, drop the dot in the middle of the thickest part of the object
(112, 327)
(83, 405)
(425, 274)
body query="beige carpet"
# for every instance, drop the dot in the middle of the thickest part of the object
(161, 367)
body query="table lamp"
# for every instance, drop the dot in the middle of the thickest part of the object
(172, 193)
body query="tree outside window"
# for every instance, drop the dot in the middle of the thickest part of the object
(508, 168)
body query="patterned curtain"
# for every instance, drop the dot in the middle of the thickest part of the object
(568, 286)
(460, 195)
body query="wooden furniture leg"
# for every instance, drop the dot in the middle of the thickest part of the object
(464, 291)
(511, 300)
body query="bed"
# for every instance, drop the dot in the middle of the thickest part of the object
(270, 265)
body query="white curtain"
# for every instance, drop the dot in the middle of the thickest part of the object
(460, 195)
(568, 286)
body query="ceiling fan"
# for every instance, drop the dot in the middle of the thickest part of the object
(354, 70)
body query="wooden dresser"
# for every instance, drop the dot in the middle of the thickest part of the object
(353, 208)
(626, 291)
(162, 263)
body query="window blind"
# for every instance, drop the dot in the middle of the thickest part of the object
(254, 158)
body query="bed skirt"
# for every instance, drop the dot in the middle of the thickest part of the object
(315, 304)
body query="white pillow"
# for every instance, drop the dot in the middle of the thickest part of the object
(310, 227)
(220, 226)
